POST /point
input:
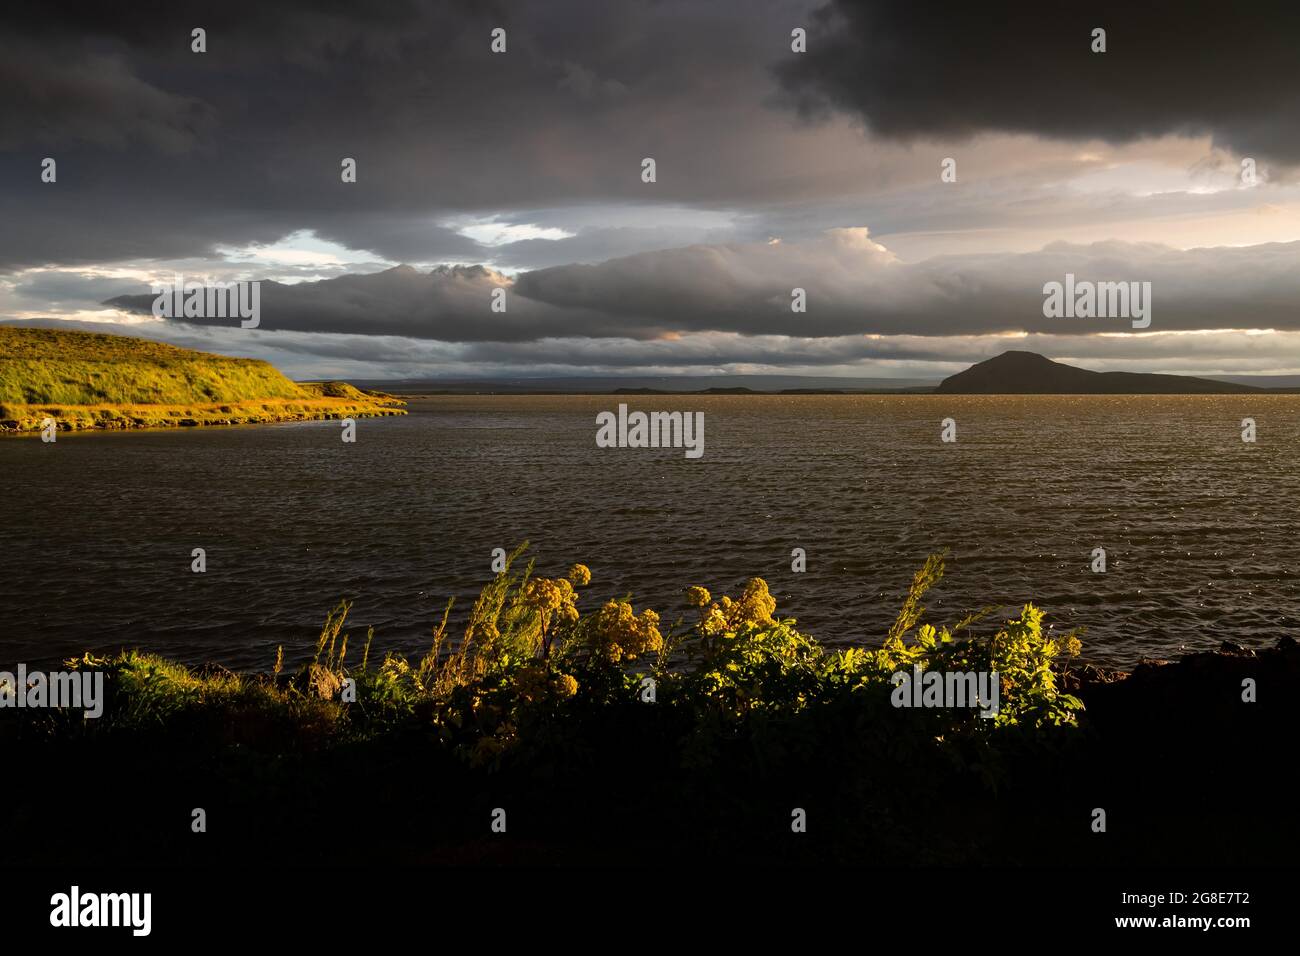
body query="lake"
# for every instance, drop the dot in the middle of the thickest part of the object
(1197, 524)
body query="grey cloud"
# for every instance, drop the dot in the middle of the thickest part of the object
(394, 236)
(592, 245)
(80, 226)
(57, 291)
(450, 303)
(311, 355)
(854, 286)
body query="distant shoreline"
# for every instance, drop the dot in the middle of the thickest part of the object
(522, 392)
(1011, 373)
(467, 391)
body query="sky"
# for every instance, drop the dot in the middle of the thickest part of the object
(1171, 158)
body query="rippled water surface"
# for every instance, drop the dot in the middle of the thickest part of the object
(1198, 526)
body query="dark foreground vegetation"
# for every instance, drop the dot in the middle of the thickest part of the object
(541, 710)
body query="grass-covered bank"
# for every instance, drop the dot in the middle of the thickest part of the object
(29, 418)
(541, 709)
(84, 380)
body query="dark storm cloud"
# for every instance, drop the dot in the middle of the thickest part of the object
(910, 69)
(165, 152)
(52, 98)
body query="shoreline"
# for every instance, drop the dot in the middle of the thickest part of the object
(27, 419)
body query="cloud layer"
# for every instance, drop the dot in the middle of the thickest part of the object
(521, 171)
(852, 284)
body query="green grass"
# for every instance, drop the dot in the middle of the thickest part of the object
(90, 380)
(334, 390)
(49, 366)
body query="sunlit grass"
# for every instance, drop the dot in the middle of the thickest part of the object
(89, 380)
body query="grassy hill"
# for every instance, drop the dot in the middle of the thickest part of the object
(90, 380)
(85, 368)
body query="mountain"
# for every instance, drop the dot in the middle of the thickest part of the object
(1028, 373)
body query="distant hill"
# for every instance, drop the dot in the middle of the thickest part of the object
(1272, 382)
(1028, 373)
(91, 380)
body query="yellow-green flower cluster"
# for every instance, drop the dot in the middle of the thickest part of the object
(535, 682)
(564, 685)
(551, 598)
(697, 596)
(619, 634)
(755, 606)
